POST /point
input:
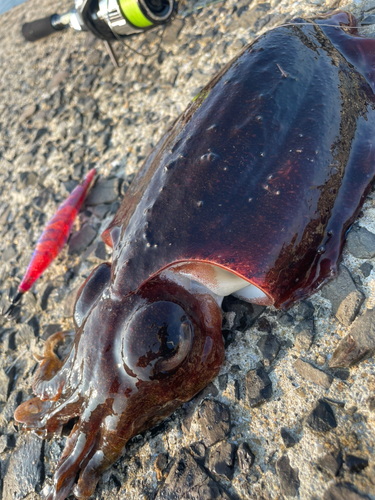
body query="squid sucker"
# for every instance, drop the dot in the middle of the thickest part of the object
(250, 192)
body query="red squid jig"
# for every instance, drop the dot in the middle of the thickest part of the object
(53, 238)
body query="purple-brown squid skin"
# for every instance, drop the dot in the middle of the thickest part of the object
(262, 175)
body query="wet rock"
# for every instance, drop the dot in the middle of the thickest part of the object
(322, 418)
(221, 459)
(355, 464)
(104, 191)
(304, 334)
(358, 344)
(80, 240)
(331, 462)
(361, 243)
(288, 439)
(343, 491)
(258, 386)
(4, 385)
(214, 422)
(25, 468)
(188, 480)
(344, 296)
(245, 458)
(312, 374)
(288, 477)
(269, 347)
(246, 314)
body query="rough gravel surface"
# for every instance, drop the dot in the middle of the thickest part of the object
(306, 428)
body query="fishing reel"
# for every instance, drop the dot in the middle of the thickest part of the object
(107, 19)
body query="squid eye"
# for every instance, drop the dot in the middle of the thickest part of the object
(157, 340)
(90, 291)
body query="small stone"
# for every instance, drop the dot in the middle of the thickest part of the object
(269, 347)
(160, 465)
(246, 314)
(287, 438)
(258, 386)
(304, 310)
(304, 335)
(95, 57)
(104, 191)
(25, 463)
(322, 418)
(101, 251)
(69, 303)
(355, 464)
(343, 491)
(237, 45)
(80, 240)
(172, 31)
(366, 269)
(264, 325)
(312, 374)
(28, 112)
(331, 462)
(58, 78)
(358, 344)
(187, 479)
(223, 381)
(221, 459)
(198, 450)
(27, 179)
(45, 294)
(214, 422)
(4, 385)
(245, 458)
(344, 296)
(87, 84)
(361, 243)
(288, 477)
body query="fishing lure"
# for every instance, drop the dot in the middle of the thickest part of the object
(53, 238)
(251, 192)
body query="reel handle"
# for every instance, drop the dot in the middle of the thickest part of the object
(40, 28)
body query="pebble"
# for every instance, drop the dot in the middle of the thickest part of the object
(343, 491)
(221, 459)
(104, 191)
(355, 464)
(80, 240)
(188, 479)
(359, 343)
(160, 465)
(366, 269)
(331, 462)
(4, 385)
(28, 112)
(26, 463)
(288, 439)
(312, 374)
(258, 386)
(361, 243)
(304, 334)
(322, 418)
(172, 31)
(245, 458)
(288, 477)
(269, 347)
(344, 296)
(214, 422)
